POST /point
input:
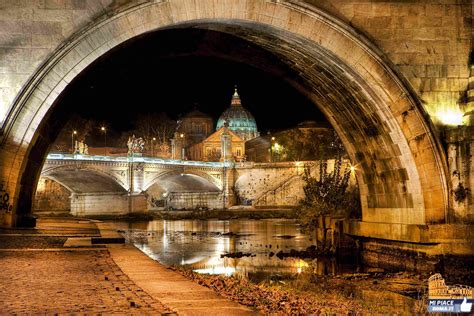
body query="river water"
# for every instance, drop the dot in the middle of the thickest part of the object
(200, 244)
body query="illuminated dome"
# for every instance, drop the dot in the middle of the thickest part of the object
(239, 120)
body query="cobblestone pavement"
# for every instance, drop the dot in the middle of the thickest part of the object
(64, 282)
(32, 242)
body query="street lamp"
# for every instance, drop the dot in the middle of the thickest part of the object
(153, 146)
(103, 129)
(72, 141)
(182, 146)
(271, 148)
(278, 150)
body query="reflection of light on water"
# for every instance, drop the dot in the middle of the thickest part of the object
(165, 238)
(300, 265)
(214, 261)
(193, 260)
(227, 271)
(215, 264)
(146, 250)
(174, 243)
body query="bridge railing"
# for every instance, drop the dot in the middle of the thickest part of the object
(134, 159)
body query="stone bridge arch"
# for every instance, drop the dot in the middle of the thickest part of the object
(119, 177)
(84, 179)
(178, 173)
(387, 133)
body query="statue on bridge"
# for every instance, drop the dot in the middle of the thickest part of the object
(135, 145)
(80, 147)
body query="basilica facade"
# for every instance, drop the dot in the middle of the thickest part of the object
(196, 139)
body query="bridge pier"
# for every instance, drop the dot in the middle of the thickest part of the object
(107, 203)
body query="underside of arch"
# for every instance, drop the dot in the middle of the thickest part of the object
(85, 181)
(177, 182)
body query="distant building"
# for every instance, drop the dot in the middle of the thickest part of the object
(258, 149)
(196, 126)
(196, 140)
(210, 149)
(267, 148)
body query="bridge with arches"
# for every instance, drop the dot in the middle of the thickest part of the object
(104, 180)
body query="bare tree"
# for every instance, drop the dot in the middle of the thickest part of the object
(299, 145)
(328, 193)
(156, 129)
(76, 129)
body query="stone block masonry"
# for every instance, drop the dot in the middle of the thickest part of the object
(51, 196)
(107, 204)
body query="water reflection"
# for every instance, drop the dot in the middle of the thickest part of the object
(201, 244)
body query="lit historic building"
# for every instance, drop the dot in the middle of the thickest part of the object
(240, 121)
(195, 126)
(211, 148)
(194, 140)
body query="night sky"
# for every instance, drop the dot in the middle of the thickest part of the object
(174, 71)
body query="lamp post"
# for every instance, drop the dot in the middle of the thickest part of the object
(182, 146)
(271, 148)
(103, 129)
(277, 151)
(224, 182)
(153, 146)
(72, 141)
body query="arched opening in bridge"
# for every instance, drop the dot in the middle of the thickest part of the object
(183, 191)
(384, 129)
(78, 191)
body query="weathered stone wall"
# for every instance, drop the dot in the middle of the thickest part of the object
(195, 200)
(51, 196)
(256, 183)
(274, 184)
(460, 145)
(107, 204)
(428, 42)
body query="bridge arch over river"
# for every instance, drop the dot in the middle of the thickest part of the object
(402, 169)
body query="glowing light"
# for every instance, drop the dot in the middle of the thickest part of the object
(273, 138)
(227, 271)
(154, 138)
(181, 135)
(450, 117)
(353, 168)
(300, 265)
(74, 132)
(102, 128)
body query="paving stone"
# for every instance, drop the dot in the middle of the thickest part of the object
(64, 283)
